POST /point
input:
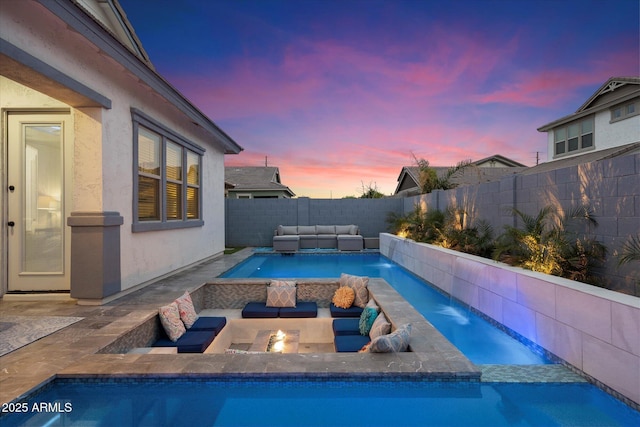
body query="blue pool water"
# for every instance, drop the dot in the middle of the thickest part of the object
(315, 402)
(480, 341)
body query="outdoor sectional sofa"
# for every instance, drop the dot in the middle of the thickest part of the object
(197, 338)
(290, 238)
(260, 310)
(236, 294)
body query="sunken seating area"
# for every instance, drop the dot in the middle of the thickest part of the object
(213, 331)
(361, 325)
(281, 302)
(183, 328)
(290, 238)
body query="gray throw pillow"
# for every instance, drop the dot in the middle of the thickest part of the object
(396, 341)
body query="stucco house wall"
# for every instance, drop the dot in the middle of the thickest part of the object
(618, 94)
(606, 134)
(103, 167)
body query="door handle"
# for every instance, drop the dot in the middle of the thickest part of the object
(11, 223)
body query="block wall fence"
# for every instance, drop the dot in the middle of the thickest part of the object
(593, 329)
(611, 187)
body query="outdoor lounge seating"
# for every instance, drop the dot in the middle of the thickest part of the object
(281, 302)
(197, 338)
(182, 328)
(189, 342)
(341, 237)
(259, 310)
(353, 311)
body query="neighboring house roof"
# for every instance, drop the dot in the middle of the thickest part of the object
(255, 179)
(490, 168)
(626, 88)
(588, 157)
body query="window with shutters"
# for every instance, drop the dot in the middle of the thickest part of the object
(167, 178)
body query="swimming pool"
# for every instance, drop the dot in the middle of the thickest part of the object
(477, 339)
(317, 402)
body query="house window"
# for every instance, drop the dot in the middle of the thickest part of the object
(574, 137)
(167, 178)
(624, 111)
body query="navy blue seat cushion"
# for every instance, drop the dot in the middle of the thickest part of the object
(189, 342)
(353, 311)
(346, 326)
(259, 310)
(302, 309)
(350, 343)
(209, 324)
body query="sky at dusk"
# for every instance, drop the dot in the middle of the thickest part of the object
(341, 94)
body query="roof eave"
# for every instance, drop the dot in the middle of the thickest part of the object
(583, 111)
(80, 21)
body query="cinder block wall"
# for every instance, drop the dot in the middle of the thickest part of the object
(611, 187)
(251, 222)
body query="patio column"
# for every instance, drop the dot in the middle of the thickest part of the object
(95, 255)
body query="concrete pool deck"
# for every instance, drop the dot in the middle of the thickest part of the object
(72, 351)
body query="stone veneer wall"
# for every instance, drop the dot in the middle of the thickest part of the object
(142, 335)
(236, 293)
(593, 329)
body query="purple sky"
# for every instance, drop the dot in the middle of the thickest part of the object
(343, 93)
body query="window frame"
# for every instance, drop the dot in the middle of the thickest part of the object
(140, 119)
(565, 140)
(623, 109)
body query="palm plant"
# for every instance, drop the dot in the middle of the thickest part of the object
(456, 234)
(418, 225)
(528, 246)
(549, 243)
(630, 251)
(429, 179)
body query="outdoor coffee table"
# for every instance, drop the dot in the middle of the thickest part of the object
(290, 341)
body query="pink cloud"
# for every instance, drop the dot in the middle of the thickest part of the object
(336, 76)
(554, 86)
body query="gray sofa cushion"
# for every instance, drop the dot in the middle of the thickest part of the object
(306, 229)
(343, 229)
(287, 230)
(326, 229)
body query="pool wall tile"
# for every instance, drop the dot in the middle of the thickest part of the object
(595, 330)
(490, 304)
(502, 282)
(469, 271)
(519, 318)
(560, 339)
(622, 369)
(537, 294)
(625, 328)
(465, 292)
(578, 308)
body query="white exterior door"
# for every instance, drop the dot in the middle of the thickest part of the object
(38, 183)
